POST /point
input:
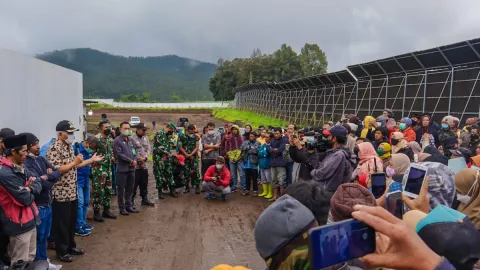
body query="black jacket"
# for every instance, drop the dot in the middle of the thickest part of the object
(307, 160)
(38, 166)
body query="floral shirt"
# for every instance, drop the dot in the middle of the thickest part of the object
(59, 154)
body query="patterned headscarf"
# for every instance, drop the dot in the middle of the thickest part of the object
(407, 121)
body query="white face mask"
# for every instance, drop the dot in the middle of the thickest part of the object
(219, 166)
(126, 132)
(211, 132)
(71, 139)
(379, 124)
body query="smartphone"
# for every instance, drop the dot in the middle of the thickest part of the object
(379, 184)
(394, 204)
(339, 242)
(413, 180)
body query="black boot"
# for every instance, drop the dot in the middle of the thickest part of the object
(107, 214)
(97, 216)
(173, 192)
(146, 202)
(160, 194)
(197, 189)
(187, 189)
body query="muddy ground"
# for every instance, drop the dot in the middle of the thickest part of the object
(184, 233)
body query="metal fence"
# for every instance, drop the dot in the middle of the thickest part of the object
(439, 81)
(186, 105)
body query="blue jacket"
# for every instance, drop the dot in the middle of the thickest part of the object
(85, 171)
(277, 156)
(265, 162)
(38, 166)
(250, 156)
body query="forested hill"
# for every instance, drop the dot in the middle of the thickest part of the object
(165, 78)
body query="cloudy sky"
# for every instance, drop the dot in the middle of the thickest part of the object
(349, 31)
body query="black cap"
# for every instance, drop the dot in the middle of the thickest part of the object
(66, 126)
(31, 139)
(141, 126)
(6, 132)
(450, 141)
(15, 141)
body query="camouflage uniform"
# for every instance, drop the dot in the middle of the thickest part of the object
(102, 174)
(162, 164)
(192, 170)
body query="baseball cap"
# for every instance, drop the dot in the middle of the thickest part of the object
(338, 131)
(6, 132)
(181, 159)
(15, 141)
(462, 152)
(220, 159)
(66, 126)
(450, 141)
(141, 126)
(448, 233)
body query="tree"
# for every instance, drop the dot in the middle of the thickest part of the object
(176, 98)
(287, 64)
(313, 60)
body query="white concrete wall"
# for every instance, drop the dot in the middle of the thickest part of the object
(185, 105)
(36, 95)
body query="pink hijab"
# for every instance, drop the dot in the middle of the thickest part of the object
(368, 157)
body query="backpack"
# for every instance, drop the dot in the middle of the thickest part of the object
(44, 149)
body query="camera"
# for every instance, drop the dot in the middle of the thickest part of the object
(316, 140)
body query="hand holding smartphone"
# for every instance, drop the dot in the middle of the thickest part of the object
(414, 179)
(379, 184)
(340, 242)
(394, 204)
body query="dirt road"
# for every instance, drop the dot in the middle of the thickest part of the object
(184, 233)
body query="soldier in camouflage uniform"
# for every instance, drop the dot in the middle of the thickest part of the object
(102, 174)
(162, 161)
(188, 146)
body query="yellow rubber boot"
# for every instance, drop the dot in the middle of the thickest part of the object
(264, 190)
(270, 192)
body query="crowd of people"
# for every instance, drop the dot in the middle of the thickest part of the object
(312, 175)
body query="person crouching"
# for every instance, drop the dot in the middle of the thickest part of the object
(217, 178)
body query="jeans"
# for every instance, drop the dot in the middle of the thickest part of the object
(43, 231)
(83, 200)
(289, 173)
(234, 169)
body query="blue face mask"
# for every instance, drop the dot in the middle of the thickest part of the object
(444, 126)
(89, 151)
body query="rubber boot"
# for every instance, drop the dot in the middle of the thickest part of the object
(197, 189)
(160, 194)
(275, 195)
(187, 188)
(269, 193)
(264, 190)
(97, 216)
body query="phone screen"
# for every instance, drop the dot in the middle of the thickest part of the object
(340, 242)
(415, 180)
(379, 184)
(395, 204)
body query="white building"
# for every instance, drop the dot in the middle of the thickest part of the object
(36, 95)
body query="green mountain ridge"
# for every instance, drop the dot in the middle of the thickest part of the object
(111, 76)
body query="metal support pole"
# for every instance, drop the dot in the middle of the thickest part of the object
(386, 93)
(404, 94)
(424, 106)
(451, 92)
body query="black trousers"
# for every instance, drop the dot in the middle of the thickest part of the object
(64, 223)
(125, 182)
(4, 241)
(251, 177)
(141, 181)
(206, 163)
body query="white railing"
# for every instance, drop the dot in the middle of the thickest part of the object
(186, 105)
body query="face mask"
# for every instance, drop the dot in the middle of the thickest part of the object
(390, 171)
(414, 123)
(356, 150)
(126, 132)
(395, 141)
(192, 135)
(474, 137)
(211, 132)
(379, 124)
(107, 131)
(71, 139)
(89, 151)
(403, 126)
(380, 152)
(445, 126)
(219, 166)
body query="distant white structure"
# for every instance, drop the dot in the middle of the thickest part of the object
(186, 105)
(36, 95)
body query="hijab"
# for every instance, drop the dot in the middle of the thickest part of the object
(401, 144)
(476, 160)
(391, 123)
(387, 148)
(368, 157)
(466, 184)
(415, 147)
(401, 163)
(367, 126)
(436, 156)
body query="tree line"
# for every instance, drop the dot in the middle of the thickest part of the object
(282, 65)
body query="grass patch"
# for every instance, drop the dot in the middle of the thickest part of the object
(246, 117)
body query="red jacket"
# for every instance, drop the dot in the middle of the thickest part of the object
(224, 173)
(409, 134)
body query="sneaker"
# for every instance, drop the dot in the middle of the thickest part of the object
(223, 197)
(82, 232)
(255, 193)
(87, 227)
(210, 196)
(234, 189)
(245, 193)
